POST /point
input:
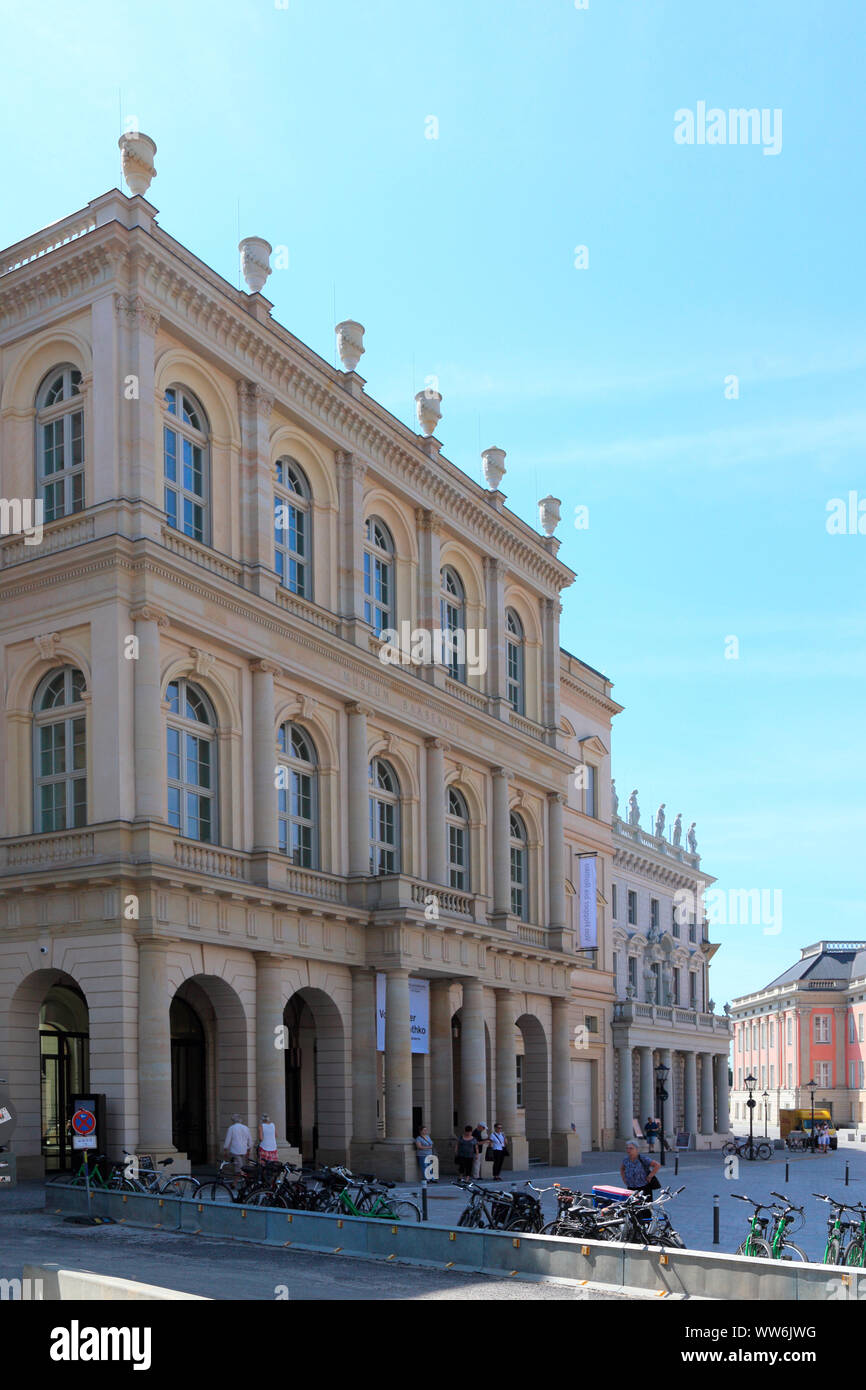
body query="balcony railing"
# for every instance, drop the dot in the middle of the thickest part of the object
(60, 847)
(631, 1011)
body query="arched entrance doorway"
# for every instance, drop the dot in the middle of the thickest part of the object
(64, 1057)
(533, 1092)
(461, 1118)
(316, 1077)
(188, 1081)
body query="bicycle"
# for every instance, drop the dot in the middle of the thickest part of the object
(230, 1187)
(642, 1220)
(781, 1248)
(487, 1209)
(755, 1244)
(115, 1181)
(836, 1251)
(747, 1148)
(797, 1142)
(147, 1179)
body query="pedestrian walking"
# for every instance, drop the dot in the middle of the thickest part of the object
(268, 1141)
(638, 1171)
(464, 1152)
(498, 1150)
(423, 1147)
(482, 1138)
(651, 1130)
(237, 1143)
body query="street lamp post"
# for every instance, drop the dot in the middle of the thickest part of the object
(661, 1097)
(765, 1096)
(751, 1083)
(812, 1085)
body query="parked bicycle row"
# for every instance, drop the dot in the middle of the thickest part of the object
(769, 1236)
(634, 1218)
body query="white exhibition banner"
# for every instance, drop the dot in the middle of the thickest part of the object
(588, 914)
(419, 1014)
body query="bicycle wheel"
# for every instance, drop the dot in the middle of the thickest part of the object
(730, 1148)
(469, 1218)
(181, 1186)
(765, 1151)
(855, 1255)
(792, 1252)
(215, 1192)
(266, 1197)
(754, 1247)
(404, 1211)
(554, 1228)
(671, 1239)
(833, 1253)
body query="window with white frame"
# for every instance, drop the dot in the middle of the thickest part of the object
(384, 818)
(678, 974)
(772, 1076)
(60, 443)
(852, 1074)
(632, 972)
(378, 575)
(457, 827)
(60, 751)
(860, 1073)
(790, 1030)
(763, 1033)
(824, 1073)
(852, 1034)
(613, 908)
(860, 1028)
(631, 907)
(452, 606)
(790, 1075)
(297, 797)
(191, 762)
(185, 465)
(590, 803)
(822, 1028)
(654, 913)
(292, 517)
(693, 989)
(515, 665)
(519, 855)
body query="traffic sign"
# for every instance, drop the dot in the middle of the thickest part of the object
(83, 1122)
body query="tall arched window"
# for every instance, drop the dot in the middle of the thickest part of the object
(186, 464)
(191, 759)
(378, 575)
(297, 797)
(519, 868)
(384, 818)
(457, 821)
(292, 527)
(60, 752)
(60, 443)
(515, 666)
(452, 606)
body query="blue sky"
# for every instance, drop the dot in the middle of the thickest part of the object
(605, 385)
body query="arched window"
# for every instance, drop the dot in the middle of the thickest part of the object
(297, 797)
(292, 527)
(519, 868)
(457, 821)
(192, 770)
(378, 575)
(60, 443)
(384, 818)
(514, 662)
(453, 621)
(186, 464)
(60, 752)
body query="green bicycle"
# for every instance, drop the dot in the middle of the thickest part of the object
(116, 1181)
(755, 1244)
(763, 1243)
(787, 1216)
(367, 1196)
(836, 1252)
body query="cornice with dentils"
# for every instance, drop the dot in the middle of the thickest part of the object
(189, 294)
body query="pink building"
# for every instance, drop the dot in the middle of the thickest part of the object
(808, 1025)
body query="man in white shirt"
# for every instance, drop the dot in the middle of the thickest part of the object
(238, 1142)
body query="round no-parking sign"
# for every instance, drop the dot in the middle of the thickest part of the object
(83, 1124)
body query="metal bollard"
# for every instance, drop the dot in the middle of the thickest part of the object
(786, 1171)
(424, 1200)
(677, 1166)
(715, 1218)
(846, 1172)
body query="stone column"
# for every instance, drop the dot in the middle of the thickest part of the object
(437, 865)
(550, 666)
(429, 585)
(473, 1055)
(501, 836)
(270, 1055)
(441, 1073)
(668, 1106)
(255, 403)
(359, 791)
(513, 1121)
(647, 1084)
(154, 1052)
(148, 717)
(138, 417)
(556, 859)
(351, 473)
(264, 757)
(364, 1057)
(564, 1141)
(625, 1094)
(706, 1093)
(398, 1059)
(494, 592)
(690, 1098)
(723, 1122)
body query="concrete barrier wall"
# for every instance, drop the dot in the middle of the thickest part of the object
(673, 1273)
(80, 1285)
